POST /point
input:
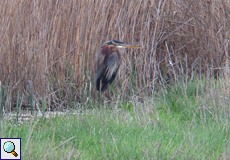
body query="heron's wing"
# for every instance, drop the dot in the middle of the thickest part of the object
(107, 66)
(100, 64)
(99, 68)
(112, 64)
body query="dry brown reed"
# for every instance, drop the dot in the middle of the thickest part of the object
(51, 44)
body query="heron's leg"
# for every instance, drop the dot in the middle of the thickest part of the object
(108, 90)
(99, 95)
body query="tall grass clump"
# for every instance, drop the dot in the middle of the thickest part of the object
(47, 47)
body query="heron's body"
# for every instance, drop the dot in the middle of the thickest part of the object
(108, 61)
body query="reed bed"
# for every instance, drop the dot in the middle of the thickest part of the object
(47, 47)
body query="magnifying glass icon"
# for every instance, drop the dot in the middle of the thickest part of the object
(9, 147)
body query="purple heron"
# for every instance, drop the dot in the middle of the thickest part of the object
(108, 61)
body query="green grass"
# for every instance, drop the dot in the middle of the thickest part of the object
(180, 122)
(107, 135)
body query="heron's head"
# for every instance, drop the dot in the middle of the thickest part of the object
(119, 44)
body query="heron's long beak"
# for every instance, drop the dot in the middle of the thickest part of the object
(128, 46)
